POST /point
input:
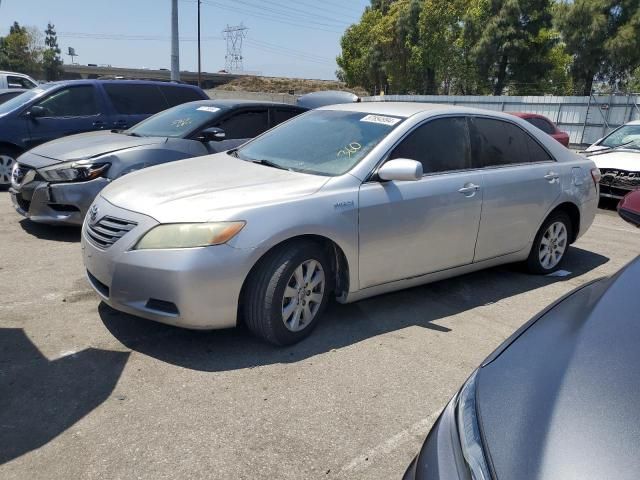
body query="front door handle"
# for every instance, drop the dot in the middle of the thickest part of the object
(551, 177)
(99, 124)
(469, 189)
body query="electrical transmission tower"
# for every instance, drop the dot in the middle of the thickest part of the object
(234, 37)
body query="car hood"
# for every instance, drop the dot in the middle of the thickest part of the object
(200, 189)
(561, 401)
(86, 145)
(619, 160)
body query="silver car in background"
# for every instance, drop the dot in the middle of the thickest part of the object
(347, 201)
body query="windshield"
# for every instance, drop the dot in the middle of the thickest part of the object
(177, 122)
(627, 135)
(323, 142)
(20, 100)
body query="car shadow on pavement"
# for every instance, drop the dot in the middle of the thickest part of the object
(60, 233)
(41, 398)
(342, 325)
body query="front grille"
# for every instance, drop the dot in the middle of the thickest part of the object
(108, 230)
(620, 178)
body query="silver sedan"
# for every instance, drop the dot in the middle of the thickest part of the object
(343, 202)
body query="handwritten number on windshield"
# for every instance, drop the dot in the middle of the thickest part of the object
(349, 150)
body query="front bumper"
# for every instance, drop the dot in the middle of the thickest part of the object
(196, 288)
(56, 203)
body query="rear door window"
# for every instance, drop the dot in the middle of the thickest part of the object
(542, 124)
(135, 99)
(245, 123)
(496, 143)
(441, 145)
(71, 102)
(178, 95)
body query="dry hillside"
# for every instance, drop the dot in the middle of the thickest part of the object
(284, 85)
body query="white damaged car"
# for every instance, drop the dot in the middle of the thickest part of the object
(618, 157)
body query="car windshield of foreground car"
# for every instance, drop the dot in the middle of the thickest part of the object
(627, 136)
(21, 99)
(176, 122)
(324, 142)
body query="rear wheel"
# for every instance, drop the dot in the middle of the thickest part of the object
(287, 293)
(7, 160)
(551, 244)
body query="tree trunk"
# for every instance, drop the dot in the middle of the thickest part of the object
(502, 73)
(588, 84)
(430, 82)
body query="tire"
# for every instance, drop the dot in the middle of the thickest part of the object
(273, 299)
(551, 244)
(7, 160)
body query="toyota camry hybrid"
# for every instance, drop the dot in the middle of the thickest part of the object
(345, 202)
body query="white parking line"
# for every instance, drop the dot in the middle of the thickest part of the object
(418, 429)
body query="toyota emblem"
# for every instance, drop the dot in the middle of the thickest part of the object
(93, 213)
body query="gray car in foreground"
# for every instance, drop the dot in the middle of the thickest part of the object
(347, 201)
(56, 182)
(559, 399)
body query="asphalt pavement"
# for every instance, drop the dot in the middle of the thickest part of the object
(90, 393)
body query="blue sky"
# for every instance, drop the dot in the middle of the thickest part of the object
(289, 38)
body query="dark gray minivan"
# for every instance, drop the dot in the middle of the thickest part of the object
(58, 109)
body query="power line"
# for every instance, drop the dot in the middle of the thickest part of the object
(269, 17)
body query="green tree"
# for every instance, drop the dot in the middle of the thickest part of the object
(603, 38)
(51, 60)
(514, 45)
(19, 50)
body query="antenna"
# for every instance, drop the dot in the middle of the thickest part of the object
(233, 36)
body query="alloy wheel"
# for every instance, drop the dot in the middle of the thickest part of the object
(6, 165)
(553, 244)
(303, 295)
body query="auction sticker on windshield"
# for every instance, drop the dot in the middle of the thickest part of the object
(208, 109)
(384, 120)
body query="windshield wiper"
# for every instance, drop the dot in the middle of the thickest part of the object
(269, 163)
(608, 149)
(132, 134)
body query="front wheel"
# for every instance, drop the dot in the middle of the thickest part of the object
(551, 244)
(7, 160)
(287, 293)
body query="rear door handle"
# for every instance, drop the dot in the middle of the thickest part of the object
(551, 177)
(120, 123)
(469, 189)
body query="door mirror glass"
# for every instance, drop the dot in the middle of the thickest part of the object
(37, 111)
(400, 169)
(212, 134)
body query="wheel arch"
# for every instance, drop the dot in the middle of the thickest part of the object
(12, 146)
(339, 263)
(572, 210)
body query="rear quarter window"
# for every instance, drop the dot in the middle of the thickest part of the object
(136, 99)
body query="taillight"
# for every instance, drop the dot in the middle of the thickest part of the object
(596, 175)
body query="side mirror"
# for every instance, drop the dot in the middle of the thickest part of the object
(401, 169)
(211, 134)
(37, 112)
(629, 208)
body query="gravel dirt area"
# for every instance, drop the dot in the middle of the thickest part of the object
(90, 393)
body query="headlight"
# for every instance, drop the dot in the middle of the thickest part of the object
(189, 235)
(74, 171)
(469, 431)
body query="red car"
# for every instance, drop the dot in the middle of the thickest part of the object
(546, 125)
(629, 208)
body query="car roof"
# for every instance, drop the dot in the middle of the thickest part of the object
(408, 109)
(123, 82)
(529, 115)
(234, 103)
(10, 90)
(633, 122)
(6, 72)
